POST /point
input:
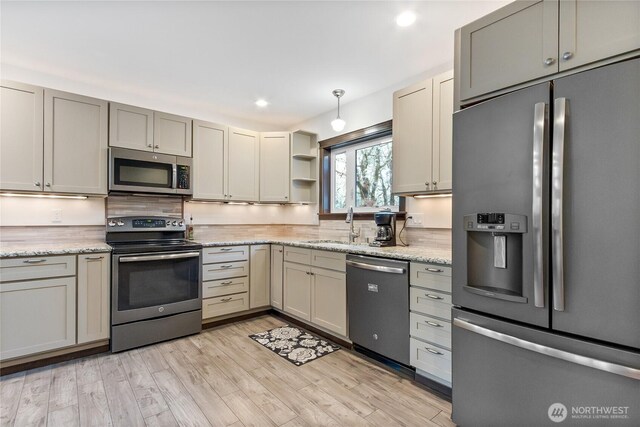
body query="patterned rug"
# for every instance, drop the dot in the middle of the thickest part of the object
(295, 345)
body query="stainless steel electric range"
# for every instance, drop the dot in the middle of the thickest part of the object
(156, 282)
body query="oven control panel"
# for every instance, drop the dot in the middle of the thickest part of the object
(145, 224)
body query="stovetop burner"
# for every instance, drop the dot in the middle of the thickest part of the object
(148, 234)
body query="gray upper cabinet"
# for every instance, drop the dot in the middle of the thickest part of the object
(75, 143)
(243, 171)
(274, 166)
(21, 137)
(130, 127)
(529, 40)
(412, 138)
(147, 130)
(594, 30)
(512, 45)
(171, 134)
(209, 160)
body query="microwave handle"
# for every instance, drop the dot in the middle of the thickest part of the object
(174, 178)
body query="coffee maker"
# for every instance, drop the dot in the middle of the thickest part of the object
(386, 228)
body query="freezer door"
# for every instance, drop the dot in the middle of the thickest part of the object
(596, 204)
(500, 165)
(508, 375)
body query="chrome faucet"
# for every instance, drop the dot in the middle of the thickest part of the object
(353, 235)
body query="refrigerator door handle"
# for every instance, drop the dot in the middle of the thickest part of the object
(609, 367)
(539, 122)
(557, 172)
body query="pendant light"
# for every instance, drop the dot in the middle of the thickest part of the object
(338, 124)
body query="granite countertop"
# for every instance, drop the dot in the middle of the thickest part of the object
(409, 253)
(13, 250)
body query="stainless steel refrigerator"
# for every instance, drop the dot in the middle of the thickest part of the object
(546, 254)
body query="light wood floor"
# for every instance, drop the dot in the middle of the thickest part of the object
(219, 378)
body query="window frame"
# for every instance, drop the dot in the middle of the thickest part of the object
(370, 133)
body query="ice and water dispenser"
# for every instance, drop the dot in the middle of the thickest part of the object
(494, 255)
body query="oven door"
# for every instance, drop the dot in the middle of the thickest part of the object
(157, 284)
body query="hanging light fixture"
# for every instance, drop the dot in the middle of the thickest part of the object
(338, 124)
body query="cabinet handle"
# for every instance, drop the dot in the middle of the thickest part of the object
(435, 183)
(150, 145)
(435, 270)
(225, 249)
(156, 146)
(434, 324)
(226, 299)
(33, 261)
(48, 184)
(280, 250)
(549, 61)
(37, 184)
(426, 184)
(567, 56)
(226, 266)
(432, 296)
(226, 282)
(432, 351)
(94, 258)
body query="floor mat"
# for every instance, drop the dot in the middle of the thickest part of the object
(295, 345)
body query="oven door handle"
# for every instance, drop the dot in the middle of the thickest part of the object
(159, 257)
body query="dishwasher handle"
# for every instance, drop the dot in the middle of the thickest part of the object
(373, 267)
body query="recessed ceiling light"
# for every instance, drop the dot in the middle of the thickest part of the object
(406, 18)
(261, 103)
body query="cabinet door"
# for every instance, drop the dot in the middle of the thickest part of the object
(442, 131)
(512, 45)
(171, 134)
(209, 149)
(93, 297)
(274, 167)
(277, 259)
(75, 143)
(412, 138)
(130, 127)
(595, 30)
(259, 276)
(243, 172)
(297, 290)
(37, 315)
(329, 300)
(21, 137)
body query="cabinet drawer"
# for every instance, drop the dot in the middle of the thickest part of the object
(225, 270)
(218, 306)
(299, 255)
(225, 254)
(37, 267)
(331, 260)
(430, 276)
(432, 359)
(430, 302)
(430, 329)
(216, 288)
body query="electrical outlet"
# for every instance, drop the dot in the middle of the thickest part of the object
(415, 219)
(56, 215)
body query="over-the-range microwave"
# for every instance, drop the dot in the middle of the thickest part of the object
(134, 171)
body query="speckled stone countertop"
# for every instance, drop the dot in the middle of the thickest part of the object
(409, 253)
(13, 250)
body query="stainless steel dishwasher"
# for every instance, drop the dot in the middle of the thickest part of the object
(378, 301)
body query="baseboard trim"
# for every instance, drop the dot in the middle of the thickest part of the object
(232, 319)
(310, 328)
(6, 370)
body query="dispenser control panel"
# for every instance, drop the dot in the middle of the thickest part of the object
(494, 221)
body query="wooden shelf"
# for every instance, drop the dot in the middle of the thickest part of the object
(304, 156)
(304, 179)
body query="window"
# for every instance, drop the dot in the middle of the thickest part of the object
(361, 177)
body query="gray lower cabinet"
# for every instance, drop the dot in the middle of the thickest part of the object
(430, 321)
(225, 280)
(94, 297)
(315, 287)
(528, 40)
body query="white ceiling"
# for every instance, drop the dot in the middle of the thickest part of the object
(223, 55)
